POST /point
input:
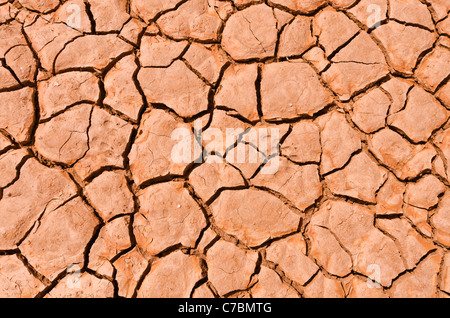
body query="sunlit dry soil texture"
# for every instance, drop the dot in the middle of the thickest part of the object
(206, 148)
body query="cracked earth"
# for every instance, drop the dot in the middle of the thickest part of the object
(93, 206)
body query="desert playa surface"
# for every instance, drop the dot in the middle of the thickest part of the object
(206, 148)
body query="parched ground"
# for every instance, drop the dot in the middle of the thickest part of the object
(93, 204)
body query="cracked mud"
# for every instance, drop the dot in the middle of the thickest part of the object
(92, 204)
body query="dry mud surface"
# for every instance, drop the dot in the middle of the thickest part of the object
(93, 203)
